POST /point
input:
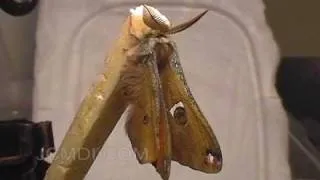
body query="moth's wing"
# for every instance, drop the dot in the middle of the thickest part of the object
(147, 125)
(141, 122)
(194, 143)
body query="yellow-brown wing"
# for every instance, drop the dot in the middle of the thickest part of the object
(147, 125)
(136, 84)
(194, 143)
(141, 127)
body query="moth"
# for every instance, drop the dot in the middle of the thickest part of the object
(164, 121)
(143, 75)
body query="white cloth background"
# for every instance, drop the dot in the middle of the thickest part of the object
(229, 58)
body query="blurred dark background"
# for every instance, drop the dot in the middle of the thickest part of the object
(296, 26)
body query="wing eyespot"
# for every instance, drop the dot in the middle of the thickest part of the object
(213, 158)
(145, 119)
(179, 113)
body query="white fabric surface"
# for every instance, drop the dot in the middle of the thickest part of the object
(229, 58)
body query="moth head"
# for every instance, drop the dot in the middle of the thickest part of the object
(159, 22)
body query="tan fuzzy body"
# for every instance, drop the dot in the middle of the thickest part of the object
(132, 76)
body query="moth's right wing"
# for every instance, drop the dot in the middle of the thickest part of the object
(147, 125)
(136, 84)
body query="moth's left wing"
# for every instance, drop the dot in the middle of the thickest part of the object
(194, 143)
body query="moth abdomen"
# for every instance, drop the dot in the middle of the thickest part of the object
(131, 81)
